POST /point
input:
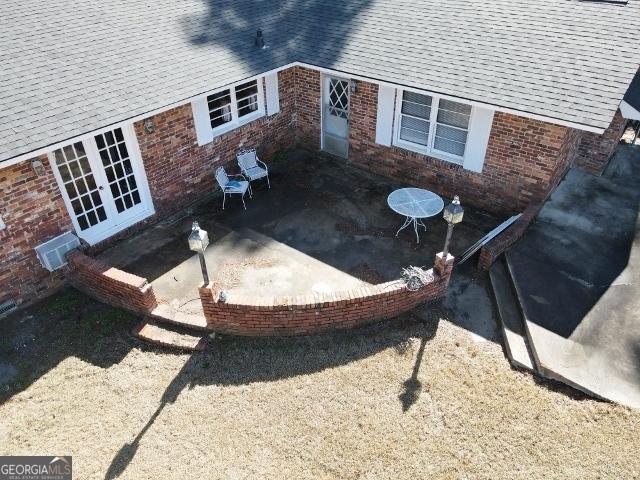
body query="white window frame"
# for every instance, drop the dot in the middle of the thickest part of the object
(429, 150)
(237, 121)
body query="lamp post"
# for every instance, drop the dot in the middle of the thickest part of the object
(198, 241)
(453, 214)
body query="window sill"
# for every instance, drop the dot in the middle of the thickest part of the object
(227, 127)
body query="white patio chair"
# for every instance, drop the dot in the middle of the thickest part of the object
(251, 166)
(230, 187)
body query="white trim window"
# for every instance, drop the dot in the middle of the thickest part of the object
(235, 106)
(441, 128)
(228, 108)
(433, 126)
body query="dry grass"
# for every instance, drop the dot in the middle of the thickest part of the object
(402, 399)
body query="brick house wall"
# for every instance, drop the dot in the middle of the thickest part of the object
(308, 107)
(179, 170)
(525, 159)
(33, 211)
(595, 150)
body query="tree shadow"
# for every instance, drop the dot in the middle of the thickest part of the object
(294, 30)
(241, 360)
(34, 340)
(412, 387)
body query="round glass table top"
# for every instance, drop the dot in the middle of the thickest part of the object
(415, 202)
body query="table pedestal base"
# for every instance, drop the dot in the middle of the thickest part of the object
(416, 222)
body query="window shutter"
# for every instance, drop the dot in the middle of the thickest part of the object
(273, 99)
(201, 120)
(384, 118)
(478, 139)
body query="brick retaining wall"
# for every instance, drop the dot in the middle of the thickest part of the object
(595, 150)
(110, 285)
(492, 250)
(304, 314)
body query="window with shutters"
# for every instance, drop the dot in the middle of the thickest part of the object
(432, 126)
(236, 106)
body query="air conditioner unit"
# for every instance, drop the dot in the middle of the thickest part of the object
(52, 253)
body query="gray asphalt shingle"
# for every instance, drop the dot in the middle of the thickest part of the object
(72, 67)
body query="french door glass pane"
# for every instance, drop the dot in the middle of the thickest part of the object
(117, 166)
(80, 185)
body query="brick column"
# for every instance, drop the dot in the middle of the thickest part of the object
(444, 268)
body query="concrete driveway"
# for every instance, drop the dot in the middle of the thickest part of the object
(578, 273)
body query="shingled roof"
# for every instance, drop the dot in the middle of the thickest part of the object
(71, 67)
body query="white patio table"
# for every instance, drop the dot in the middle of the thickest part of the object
(415, 204)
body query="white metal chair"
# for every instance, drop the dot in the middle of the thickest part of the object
(230, 187)
(251, 166)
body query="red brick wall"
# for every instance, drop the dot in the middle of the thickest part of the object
(34, 212)
(264, 316)
(524, 159)
(179, 171)
(110, 285)
(308, 107)
(492, 250)
(595, 150)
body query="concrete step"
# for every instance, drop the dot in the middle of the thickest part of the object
(511, 320)
(165, 313)
(170, 336)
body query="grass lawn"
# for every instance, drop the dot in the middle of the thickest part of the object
(416, 397)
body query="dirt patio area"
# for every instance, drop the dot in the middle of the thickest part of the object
(416, 397)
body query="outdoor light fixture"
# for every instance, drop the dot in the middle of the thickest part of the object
(353, 87)
(198, 242)
(149, 125)
(38, 168)
(453, 214)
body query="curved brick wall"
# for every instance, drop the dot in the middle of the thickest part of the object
(304, 314)
(110, 285)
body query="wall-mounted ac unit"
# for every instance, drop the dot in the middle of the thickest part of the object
(52, 253)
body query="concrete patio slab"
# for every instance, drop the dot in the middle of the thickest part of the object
(577, 273)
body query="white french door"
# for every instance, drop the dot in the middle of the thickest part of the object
(103, 183)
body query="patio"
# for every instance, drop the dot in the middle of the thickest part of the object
(324, 226)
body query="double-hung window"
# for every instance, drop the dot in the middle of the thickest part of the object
(432, 126)
(235, 106)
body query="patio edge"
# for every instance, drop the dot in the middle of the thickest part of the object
(305, 314)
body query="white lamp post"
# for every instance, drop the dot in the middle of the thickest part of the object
(453, 214)
(198, 241)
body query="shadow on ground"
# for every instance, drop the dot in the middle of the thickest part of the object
(577, 270)
(35, 340)
(239, 361)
